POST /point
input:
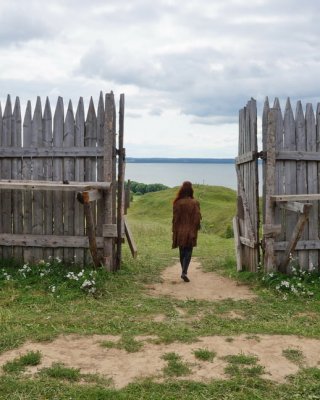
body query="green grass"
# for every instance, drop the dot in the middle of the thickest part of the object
(60, 371)
(175, 367)
(294, 355)
(30, 310)
(19, 364)
(204, 354)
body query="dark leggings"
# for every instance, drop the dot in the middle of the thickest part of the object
(185, 258)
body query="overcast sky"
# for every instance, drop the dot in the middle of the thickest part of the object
(186, 67)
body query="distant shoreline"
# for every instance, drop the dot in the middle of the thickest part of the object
(180, 160)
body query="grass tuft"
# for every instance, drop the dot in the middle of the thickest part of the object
(175, 365)
(59, 371)
(204, 354)
(294, 355)
(19, 364)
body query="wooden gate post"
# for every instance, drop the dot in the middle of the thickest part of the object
(269, 257)
(109, 133)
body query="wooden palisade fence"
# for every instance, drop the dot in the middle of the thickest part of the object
(59, 193)
(291, 185)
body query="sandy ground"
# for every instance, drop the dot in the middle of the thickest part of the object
(202, 285)
(88, 354)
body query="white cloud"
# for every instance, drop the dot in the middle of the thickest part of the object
(186, 71)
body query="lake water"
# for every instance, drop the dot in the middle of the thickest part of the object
(173, 174)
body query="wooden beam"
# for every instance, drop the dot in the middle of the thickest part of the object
(295, 206)
(91, 195)
(52, 241)
(52, 185)
(271, 230)
(248, 242)
(129, 236)
(43, 152)
(246, 157)
(237, 243)
(298, 155)
(295, 197)
(90, 229)
(269, 257)
(296, 234)
(301, 245)
(111, 231)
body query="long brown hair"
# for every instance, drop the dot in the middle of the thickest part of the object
(186, 190)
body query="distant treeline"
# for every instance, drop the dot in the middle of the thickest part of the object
(181, 160)
(142, 188)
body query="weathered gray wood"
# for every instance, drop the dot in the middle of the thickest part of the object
(1, 229)
(16, 164)
(312, 180)
(53, 241)
(37, 203)
(295, 206)
(100, 139)
(279, 183)
(237, 243)
(318, 150)
(90, 228)
(108, 252)
(265, 113)
(298, 155)
(27, 174)
(52, 185)
(269, 256)
(301, 173)
(296, 234)
(301, 245)
(57, 166)
(69, 175)
(47, 175)
(79, 218)
(247, 242)
(247, 157)
(109, 231)
(271, 230)
(36, 152)
(6, 197)
(295, 197)
(121, 173)
(290, 178)
(130, 239)
(90, 139)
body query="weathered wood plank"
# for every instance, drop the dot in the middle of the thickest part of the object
(295, 206)
(237, 243)
(37, 202)
(298, 155)
(301, 245)
(40, 152)
(47, 175)
(53, 241)
(121, 173)
(90, 139)
(271, 230)
(27, 174)
(301, 174)
(290, 176)
(265, 112)
(69, 175)
(318, 151)
(90, 228)
(57, 172)
(247, 157)
(6, 195)
(100, 139)
(269, 256)
(312, 180)
(52, 185)
(1, 229)
(296, 234)
(295, 197)
(109, 134)
(17, 206)
(130, 239)
(79, 218)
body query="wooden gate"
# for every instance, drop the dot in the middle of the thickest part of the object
(246, 223)
(291, 185)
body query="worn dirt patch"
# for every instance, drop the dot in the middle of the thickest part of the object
(202, 286)
(86, 353)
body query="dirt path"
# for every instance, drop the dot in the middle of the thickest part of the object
(202, 286)
(89, 355)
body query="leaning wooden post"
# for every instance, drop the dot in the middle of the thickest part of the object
(121, 168)
(269, 257)
(109, 134)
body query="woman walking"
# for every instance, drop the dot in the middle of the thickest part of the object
(185, 225)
